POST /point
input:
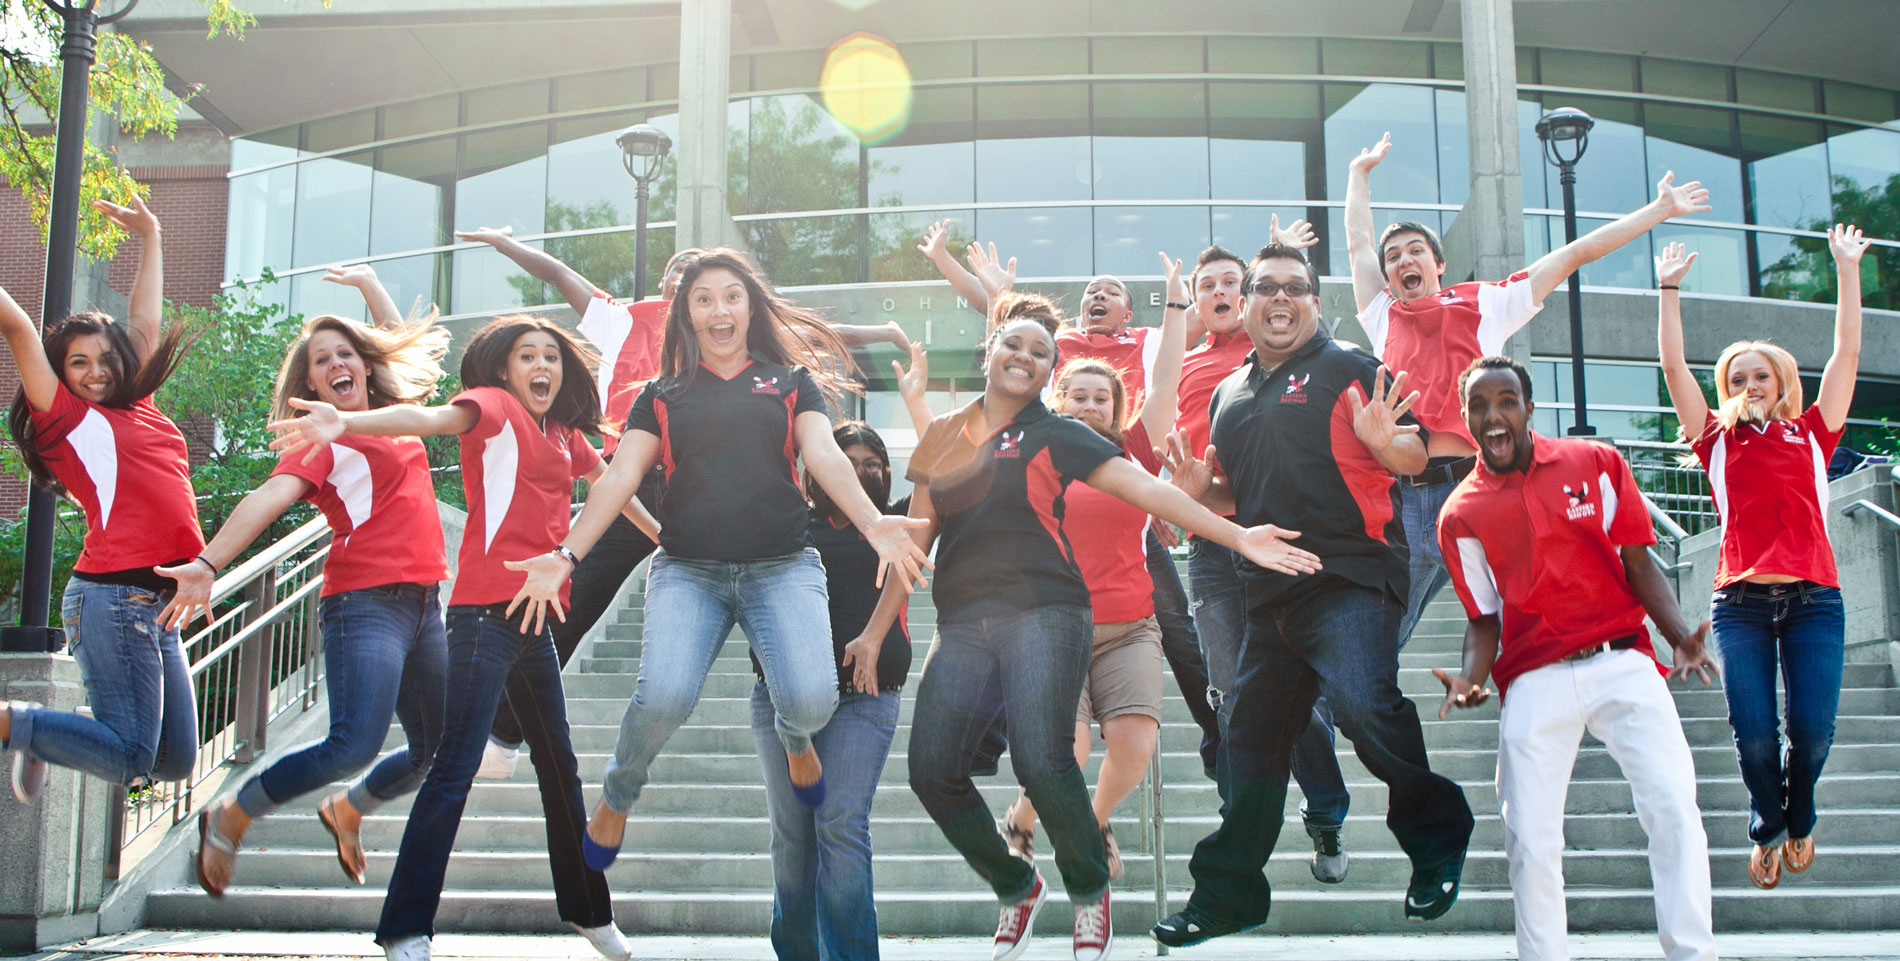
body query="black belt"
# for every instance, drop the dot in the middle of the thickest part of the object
(1620, 644)
(1449, 472)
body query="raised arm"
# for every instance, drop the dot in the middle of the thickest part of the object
(249, 519)
(1671, 201)
(147, 306)
(324, 423)
(935, 246)
(1837, 381)
(1397, 447)
(38, 379)
(539, 264)
(382, 307)
(863, 335)
(1685, 393)
(1164, 390)
(911, 385)
(1368, 275)
(889, 535)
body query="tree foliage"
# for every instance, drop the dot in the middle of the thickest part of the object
(1807, 271)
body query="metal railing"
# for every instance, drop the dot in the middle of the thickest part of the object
(257, 659)
(1678, 492)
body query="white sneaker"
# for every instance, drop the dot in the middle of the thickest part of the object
(608, 940)
(29, 776)
(412, 948)
(498, 763)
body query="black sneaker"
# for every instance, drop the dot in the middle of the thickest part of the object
(1434, 889)
(1189, 927)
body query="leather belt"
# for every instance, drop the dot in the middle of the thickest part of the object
(1619, 644)
(1448, 473)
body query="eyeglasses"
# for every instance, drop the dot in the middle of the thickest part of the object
(1268, 288)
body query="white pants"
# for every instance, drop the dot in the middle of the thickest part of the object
(1621, 699)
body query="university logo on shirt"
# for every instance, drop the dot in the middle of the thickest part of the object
(1295, 392)
(1792, 433)
(1008, 445)
(764, 385)
(1580, 506)
(1448, 296)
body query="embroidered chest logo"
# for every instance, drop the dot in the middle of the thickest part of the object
(1009, 445)
(1295, 392)
(1447, 296)
(1792, 433)
(1580, 507)
(762, 385)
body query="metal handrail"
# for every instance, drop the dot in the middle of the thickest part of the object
(1879, 513)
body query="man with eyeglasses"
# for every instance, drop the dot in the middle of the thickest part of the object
(1431, 331)
(1307, 436)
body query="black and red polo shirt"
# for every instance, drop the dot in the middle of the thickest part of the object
(1284, 440)
(1539, 549)
(731, 460)
(1001, 497)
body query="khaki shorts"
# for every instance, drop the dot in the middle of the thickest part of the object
(1124, 672)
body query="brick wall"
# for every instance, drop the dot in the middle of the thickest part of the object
(190, 202)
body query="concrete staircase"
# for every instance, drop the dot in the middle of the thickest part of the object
(696, 856)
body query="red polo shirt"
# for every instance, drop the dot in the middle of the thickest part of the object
(1202, 370)
(1538, 549)
(1130, 350)
(1770, 487)
(1435, 338)
(1111, 543)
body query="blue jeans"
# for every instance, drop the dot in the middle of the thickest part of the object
(1326, 634)
(1220, 611)
(384, 654)
(1181, 645)
(690, 608)
(1418, 514)
(487, 656)
(823, 906)
(1801, 627)
(144, 724)
(1031, 666)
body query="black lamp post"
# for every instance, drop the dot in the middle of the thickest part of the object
(1565, 132)
(77, 51)
(643, 147)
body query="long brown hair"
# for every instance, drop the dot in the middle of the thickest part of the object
(576, 404)
(777, 331)
(401, 366)
(133, 379)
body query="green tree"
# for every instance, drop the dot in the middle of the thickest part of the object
(1807, 271)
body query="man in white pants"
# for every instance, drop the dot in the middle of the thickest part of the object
(1558, 622)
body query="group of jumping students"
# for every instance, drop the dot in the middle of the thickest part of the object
(1327, 490)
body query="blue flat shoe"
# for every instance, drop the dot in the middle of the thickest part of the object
(812, 794)
(598, 856)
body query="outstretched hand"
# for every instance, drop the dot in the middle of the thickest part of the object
(135, 219)
(541, 592)
(1692, 657)
(912, 382)
(350, 275)
(1369, 157)
(1690, 198)
(1298, 235)
(314, 430)
(192, 597)
(985, 266)
(485, 235)
(934, 243)
(1846, 243)
(1376, 423)
(1267, 546)
(1459, 692)
(897, 551)
(1672, 264)
(1192, 475)
(1176, 289)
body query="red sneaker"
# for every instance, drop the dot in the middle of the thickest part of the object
(1092, 929)
(1012, 929)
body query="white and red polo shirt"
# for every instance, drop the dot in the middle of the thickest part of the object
(1538, 549)
(519, 480)
(1770, 488)
(1435, 338)
(376, 494)
(1130, 350)
(630, 335)
(127, 468)
(1110, 542)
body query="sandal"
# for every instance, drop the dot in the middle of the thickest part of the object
(1114, 853)
(212, 840)
(1797, 854)
(1764, 866)
(1021, 841)
(349, 849)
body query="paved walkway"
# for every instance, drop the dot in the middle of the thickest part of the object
(192, 945)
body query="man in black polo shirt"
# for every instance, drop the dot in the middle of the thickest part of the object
(1308, 438)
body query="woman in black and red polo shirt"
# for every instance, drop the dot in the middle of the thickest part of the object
(1014, 614)
(1777, 596)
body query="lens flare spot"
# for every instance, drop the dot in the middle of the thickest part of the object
(866, 86)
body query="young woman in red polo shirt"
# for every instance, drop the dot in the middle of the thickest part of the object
(383, 646)
(85, 424)
(1777, 605)
(528, 402)
(1123, 689)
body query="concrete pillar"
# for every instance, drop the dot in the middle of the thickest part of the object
(53, 851)
(705, 55)
(1487, 239)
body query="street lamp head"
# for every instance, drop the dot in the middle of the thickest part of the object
(1565, 132)
(642, 148)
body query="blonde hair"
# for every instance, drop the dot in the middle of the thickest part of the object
(401, 365)
(1732, 409)
(1118, 420)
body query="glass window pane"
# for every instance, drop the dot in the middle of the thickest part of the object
(1631, 265)
(262, 208)
(1454, 147)
(1721, 266)
(786, 71)
(1530, 156)
(1355, 118)
(1857, 102)
(1048, 242)
(947, 60)
(601, 88)
(1590, 71)
(336, 133)
(1375, 58)
(801, 157)
(506, 102)
(1794, 268)
(1244, 230)
(1146, 55)
(1679, 78)
(806, 250)
(421, 116)
(1264, 111)
(1151, 168)
(894, 240)
(663, 81)
(1032, 110)
(1787, 171)
(938, 115)
(247, 152)
(406, 205)
(1264, 55)
(485, 281)
(411, 282)
(311, 295)
(332, 211)
(606, 260)
(1127, 239)
(1150, 109)
(1448, 62)
(1257, 169)
(1781, 90)
(588, 185)
(1033, 168)
(1695, 143)
(503, 181)
(925, 173)
(1613, 175)
(1868, 158)
(1032, 57)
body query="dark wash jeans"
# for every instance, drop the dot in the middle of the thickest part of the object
(592, 588)
(384, 654)
(1030, 665)
(1181, 645)
(487, 655)
(1333, 636)
(1801, 626)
